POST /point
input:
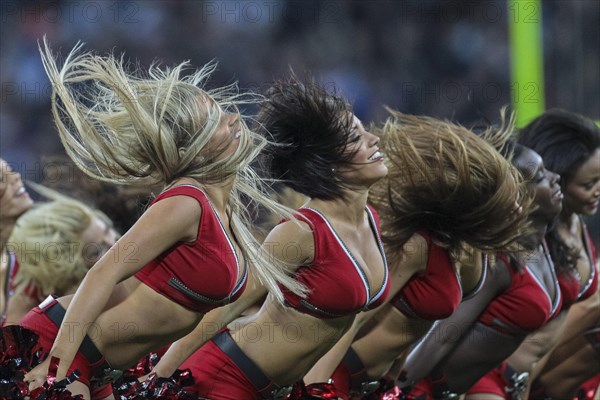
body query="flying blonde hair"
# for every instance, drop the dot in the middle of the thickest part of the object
(47, 241)
(141, 129)
(445, 179)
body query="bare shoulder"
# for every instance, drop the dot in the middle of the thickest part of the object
(416, 241)
(291, 241)
(177, 215)
(411, 259)
(178, 205)
(296, 230)
(414, 253)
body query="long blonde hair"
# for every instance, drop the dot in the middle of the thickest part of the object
(445, 179)
(128, 128)
(47, 242)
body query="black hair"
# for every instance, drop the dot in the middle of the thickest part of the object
(309, 130)
(565, 141)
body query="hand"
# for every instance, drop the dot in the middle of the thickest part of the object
(144, 378)
(38, 375)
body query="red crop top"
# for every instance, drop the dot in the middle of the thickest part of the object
(434, 293)
(525, 306)
(202, 275)
(338, 283)
(482, 279)
(569, 283)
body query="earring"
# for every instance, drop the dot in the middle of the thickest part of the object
(333, 170)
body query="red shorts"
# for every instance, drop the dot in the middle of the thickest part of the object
(589, 388)
(493, 382)
(222, 371)
(217, 377)
(422, 390)
(342, 380)
(38, 322)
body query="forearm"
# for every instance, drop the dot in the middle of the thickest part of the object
(209, 326)
(324, 368)
(84, 309)
(582, 316)
(180, 350)
(426, 354)
(535, 373)
(447, 334)
(443, 337)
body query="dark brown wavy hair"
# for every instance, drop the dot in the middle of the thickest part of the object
(450, 182)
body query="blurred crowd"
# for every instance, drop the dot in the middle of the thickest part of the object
(464, 200)
(445, 59)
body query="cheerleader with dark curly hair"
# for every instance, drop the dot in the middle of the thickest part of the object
(320, 149)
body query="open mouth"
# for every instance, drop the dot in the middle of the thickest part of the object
(21, 191)
(376, 156)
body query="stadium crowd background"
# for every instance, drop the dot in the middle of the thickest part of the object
(448, 59)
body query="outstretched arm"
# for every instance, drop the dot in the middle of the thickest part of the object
(275, 244)
(446, 334)
(152, 235)
(209, 326)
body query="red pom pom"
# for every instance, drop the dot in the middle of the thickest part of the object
(129, 388)
(17, 357)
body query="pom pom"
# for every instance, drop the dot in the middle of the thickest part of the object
(18, 355)
(322, 390)
(129, 387)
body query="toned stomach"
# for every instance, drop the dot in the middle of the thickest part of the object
(136, 321)
(385, 342)
(285, 343)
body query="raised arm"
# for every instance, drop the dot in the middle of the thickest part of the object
(164, 224)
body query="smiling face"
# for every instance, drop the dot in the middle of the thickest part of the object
(14, 199)
(543, 184)
(367, 166)
(582, 191)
